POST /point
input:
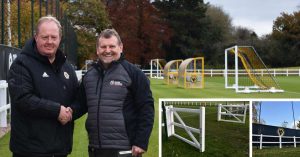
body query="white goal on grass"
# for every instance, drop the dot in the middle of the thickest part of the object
(247, 76)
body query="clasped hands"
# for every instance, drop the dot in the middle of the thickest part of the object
(65, 115)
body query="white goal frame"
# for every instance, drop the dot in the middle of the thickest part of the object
(238, 88)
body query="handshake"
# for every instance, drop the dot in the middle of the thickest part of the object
(65, 115)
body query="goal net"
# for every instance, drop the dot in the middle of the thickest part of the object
(246, 72)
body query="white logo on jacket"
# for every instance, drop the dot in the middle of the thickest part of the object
(115, 83)
(45, 75)
(66, 75)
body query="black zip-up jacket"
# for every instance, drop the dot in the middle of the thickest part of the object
(38, 89)
(120, 106)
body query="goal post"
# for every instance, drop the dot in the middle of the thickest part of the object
(157, 68)
(247, 76)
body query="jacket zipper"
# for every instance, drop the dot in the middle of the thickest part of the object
(98, 106)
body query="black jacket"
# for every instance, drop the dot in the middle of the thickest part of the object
(37, 89)
(120, 106)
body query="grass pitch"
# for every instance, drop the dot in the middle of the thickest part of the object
(214, 88)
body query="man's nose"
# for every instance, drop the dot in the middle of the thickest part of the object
(107, 49)
(49, 40)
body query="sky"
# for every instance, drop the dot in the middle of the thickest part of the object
(275, 113)
(257, 15)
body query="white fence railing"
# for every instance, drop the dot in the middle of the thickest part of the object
(279, 138)
(237, 113)
(262, 72)
(3, 103)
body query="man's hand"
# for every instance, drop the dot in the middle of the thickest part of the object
(65, 115)
(137, 151)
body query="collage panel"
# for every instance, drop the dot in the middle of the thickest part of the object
(204, 127)
(276, 128)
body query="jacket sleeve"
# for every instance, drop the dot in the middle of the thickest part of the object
(145, 107)
(21, 90)
(79, 107)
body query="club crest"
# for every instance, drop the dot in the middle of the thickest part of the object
(67, 76)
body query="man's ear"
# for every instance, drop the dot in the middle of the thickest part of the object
(121, 46)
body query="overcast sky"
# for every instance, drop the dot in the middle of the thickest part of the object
(257, 15)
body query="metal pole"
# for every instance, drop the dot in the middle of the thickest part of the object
(51, 9)
(259, 113)
(294, 115)
(40, 5)
(19, 25)
(2, 22)
(46, 7)
(32, 20)
(236, 69)
(57, 9)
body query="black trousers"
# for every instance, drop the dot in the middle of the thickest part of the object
(18, 155)
(106, 153)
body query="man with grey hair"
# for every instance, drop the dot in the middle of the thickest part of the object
(42, 86)
(117, 96)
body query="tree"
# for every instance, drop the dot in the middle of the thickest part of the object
(88, 17)
(286, 32)
(217, 37)
(11, 32)
(142, 30)
(255, 112)
(187, 20)
(244, 36)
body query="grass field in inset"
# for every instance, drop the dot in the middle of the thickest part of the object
(221, 138)
(275, 151)
(214, 88)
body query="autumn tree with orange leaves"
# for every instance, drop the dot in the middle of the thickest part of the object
(142, 30)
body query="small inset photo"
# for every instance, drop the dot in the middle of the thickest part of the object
(276, 128)
(206, 128)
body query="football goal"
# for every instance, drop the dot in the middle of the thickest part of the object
(157, 68)
(171, 71)
(246, 72)
(191, 73)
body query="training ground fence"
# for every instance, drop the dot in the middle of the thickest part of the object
(231, 72)
(273, 136)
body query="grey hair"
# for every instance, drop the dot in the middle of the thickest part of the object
(48, 18)
(108, 33)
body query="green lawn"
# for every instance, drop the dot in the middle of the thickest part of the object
(275, 151)
(214, 88)
(222, 139)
